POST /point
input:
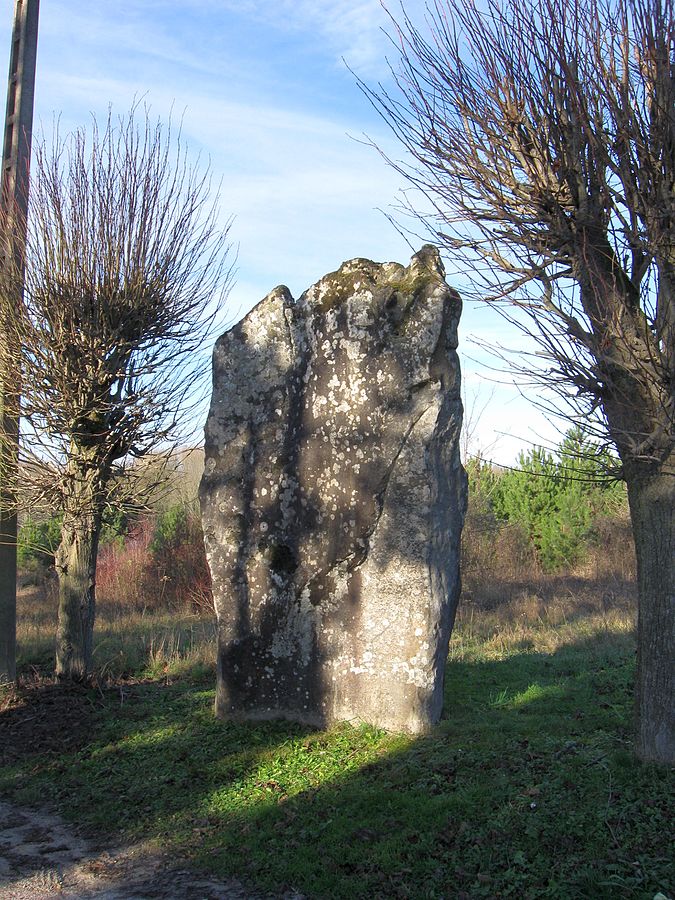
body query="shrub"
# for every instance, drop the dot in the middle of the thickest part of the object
(555, 499)
(159, 564)
(37, 542)
(117, 524)
(179, 558)
(123, 567)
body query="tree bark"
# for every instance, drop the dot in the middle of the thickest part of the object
(8, 529)
(9, 442)
(76, 570)
(652, 505)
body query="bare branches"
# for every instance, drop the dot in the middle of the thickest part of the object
(126, 273)
(541, 136)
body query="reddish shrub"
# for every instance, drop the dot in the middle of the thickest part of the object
(161, 563)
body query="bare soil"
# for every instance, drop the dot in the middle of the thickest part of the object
(41, 857)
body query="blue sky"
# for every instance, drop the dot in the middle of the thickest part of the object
(265, 95)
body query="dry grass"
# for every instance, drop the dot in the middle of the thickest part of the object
(541, 616)
(127, 641)
(507, 601)
(532, 622)
(508, 605)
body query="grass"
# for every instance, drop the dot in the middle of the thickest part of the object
(526, 789)
(128, 641)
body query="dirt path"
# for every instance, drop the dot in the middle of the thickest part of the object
(41, 857)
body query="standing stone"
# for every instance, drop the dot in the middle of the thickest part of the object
(333, 498)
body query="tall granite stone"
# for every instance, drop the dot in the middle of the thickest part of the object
(333, 498)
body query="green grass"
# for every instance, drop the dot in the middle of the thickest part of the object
(527, 788)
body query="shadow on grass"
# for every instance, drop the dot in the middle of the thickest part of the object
(526, 788)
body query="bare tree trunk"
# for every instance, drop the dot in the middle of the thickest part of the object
(76, 569)
(13, 215)
(652, 505)
(9, 425)
(7, 595)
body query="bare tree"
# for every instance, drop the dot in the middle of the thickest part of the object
(541, 136)
(125, 277)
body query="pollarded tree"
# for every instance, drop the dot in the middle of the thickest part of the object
(542, 137)
(125, 277)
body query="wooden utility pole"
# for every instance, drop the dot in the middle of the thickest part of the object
(13, 215)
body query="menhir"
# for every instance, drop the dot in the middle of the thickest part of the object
(333, 498)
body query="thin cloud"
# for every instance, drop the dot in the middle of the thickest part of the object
(354, 29)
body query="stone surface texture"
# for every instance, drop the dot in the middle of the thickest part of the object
(333, 498)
